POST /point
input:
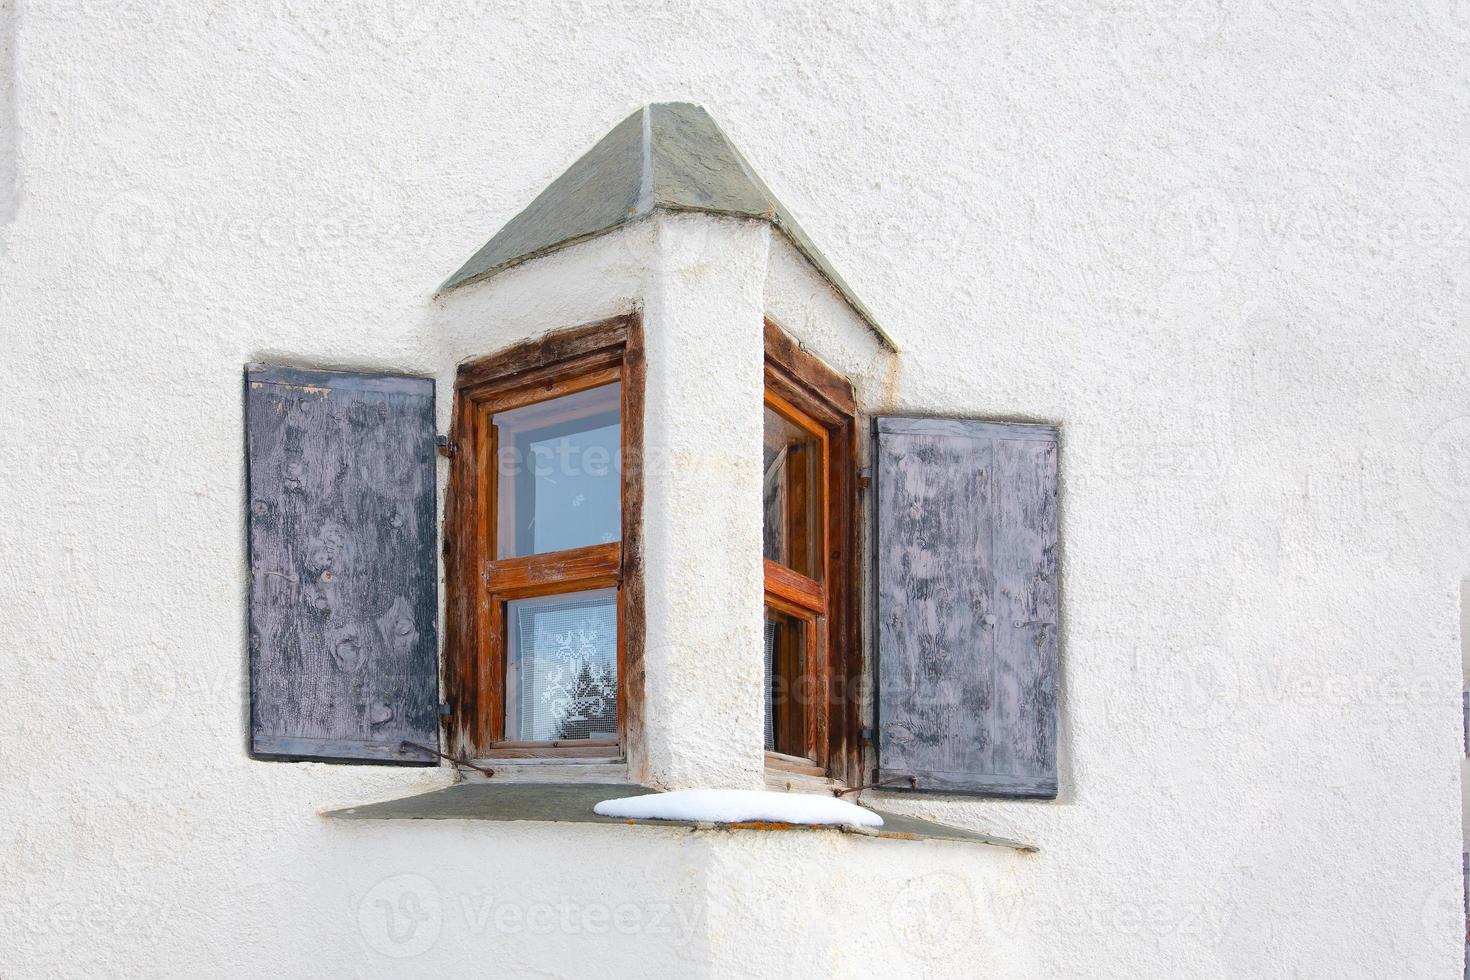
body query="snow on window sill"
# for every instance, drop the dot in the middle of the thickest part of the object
(546, 802)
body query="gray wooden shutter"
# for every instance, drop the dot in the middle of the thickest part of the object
(343, 572)
(967, 605)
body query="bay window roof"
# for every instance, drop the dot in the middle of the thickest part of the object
(667, 156)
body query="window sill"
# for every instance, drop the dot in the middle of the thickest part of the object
(549, 802)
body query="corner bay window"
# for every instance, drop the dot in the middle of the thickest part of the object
(544, 572)
(543, 632)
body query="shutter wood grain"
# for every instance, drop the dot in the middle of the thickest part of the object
(966, 605)
(343, 570)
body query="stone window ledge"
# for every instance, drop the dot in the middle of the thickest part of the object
(573, 802)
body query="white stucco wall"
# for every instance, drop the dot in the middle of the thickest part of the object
(1223, 245)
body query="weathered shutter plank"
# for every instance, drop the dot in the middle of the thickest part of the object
(1023, 723)
(967, 605)
(934, 595)
(344, 575)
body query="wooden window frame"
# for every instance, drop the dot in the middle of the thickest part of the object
(808, 393)
(479, 585)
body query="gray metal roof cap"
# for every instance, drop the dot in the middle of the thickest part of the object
(670, 156)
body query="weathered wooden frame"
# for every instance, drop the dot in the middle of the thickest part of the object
(803, 389)
(478, 585)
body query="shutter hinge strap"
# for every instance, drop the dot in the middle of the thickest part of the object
(911, 780)
(465, 761)
(446, 448)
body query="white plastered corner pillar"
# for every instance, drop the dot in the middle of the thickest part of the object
(703, 330)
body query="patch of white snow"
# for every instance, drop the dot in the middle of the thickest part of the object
(740, 806)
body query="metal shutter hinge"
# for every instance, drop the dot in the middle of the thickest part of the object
(446, 448)
(891, 781)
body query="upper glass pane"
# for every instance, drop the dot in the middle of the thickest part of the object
(793, 496)
(561, 667)
(560, 473)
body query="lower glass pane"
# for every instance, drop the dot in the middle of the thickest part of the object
(561, 667)
(786, 689)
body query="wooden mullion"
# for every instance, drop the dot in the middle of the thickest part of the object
(495, 668)
(810, 701)
(469, 683)
(598, 562)
(816, 690)
(630, 591)
(794, 588)
(492, 713)
(843, 743)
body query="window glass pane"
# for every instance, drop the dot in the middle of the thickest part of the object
(561, 667)
(786, 688)
(559, 464)
(793, 496)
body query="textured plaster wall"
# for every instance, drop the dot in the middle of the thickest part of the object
(1224, 245)
(703, 329)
